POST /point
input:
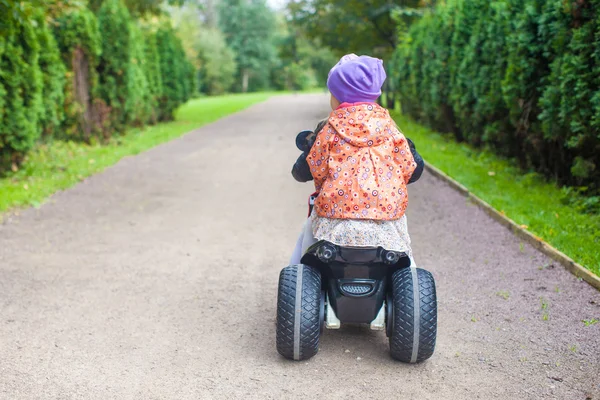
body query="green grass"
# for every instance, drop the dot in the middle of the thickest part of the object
(58, 165)
(525, 198)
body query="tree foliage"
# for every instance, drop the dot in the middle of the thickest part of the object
(205, 46)
(357, 26)
(115, 68)
(139, 104)
(151, 66)
(216, 62)
(249, 29)
(176, 71)
(78, 37)
(21, 82)
(138, 7)
(53, 78)
(302, 63)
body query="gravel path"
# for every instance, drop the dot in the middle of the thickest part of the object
(157, 279)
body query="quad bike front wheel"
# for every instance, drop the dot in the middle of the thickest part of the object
(412, 315)
(300, 312)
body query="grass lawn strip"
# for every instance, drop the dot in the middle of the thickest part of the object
(59, 165)
(527, 199)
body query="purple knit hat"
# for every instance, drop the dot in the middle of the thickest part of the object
(356, 79)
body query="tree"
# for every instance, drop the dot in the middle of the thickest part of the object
(140, 101)
(53, 78)
(139, 7)
(114, 69)
(358, 26)
(20, 83)
(303, 63)
(205, 46)
(249, 28)
(152, 70)
(76, 31)
(175, 70)
(216, 62)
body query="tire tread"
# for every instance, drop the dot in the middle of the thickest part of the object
(401, 340)
(310, 324)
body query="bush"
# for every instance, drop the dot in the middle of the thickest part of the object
(521, 77)
(176, 72)
(139, 103)
(53, 79)
(152, 71)
(21, 80)
(114, 67)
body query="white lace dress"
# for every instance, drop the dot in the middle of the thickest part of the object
(391, 235)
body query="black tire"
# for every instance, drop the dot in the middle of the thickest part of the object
(413, 324)
(299, 325)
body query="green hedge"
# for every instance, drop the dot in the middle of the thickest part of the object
(519, 76)
(68, 73)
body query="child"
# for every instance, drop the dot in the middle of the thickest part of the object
(361, 164)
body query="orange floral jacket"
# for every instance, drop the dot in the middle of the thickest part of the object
(361, 164)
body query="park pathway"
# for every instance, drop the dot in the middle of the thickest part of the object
(157, 279)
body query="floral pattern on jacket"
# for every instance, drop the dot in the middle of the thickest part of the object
(361, 164)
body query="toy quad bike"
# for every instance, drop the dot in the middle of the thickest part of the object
(374, 286)
(335, 285)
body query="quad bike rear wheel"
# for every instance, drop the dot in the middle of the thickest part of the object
(412, 315)
(300, 312)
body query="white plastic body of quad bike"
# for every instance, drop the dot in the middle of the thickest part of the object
(378, 324)
(331, 320)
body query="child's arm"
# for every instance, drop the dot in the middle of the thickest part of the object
(304, 142)
(318, 157)
(301, 170)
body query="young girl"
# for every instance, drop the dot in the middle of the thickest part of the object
(361, 164)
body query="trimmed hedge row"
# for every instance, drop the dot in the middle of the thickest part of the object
(78, 75)
(519, 76)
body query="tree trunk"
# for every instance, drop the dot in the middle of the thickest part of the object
(210, 14)
(245, 77)
(81, 90)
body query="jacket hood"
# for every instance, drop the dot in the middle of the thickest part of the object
(361, 125)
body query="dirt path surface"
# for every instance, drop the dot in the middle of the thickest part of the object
(157, 279)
